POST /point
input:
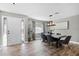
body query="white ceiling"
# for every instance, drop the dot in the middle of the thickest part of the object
(41, 11)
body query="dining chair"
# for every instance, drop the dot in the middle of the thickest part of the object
(65, 42)
(43, 36)
(51, 39)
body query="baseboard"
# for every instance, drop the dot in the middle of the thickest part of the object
(74, 42)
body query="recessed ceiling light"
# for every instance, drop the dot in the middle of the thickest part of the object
(50, 15)
(13, 3)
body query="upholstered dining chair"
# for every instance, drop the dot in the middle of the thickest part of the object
(43, 36)
(65, 42)
(52, 39)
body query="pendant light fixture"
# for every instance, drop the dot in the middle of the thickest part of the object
(51, 23)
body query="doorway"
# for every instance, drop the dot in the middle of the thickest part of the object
(13, 31)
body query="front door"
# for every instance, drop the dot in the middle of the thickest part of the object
(14, 30)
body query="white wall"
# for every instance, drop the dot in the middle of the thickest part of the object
(0, 30)
(73, 27)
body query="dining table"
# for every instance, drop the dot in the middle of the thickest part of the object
(58, 38)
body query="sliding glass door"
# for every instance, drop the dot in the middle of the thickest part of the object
(38, 30)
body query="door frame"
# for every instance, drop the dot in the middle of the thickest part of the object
(21, 28)
(3, 20)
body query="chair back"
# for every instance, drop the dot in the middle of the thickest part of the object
(49, 38)
(66, 41)
(43, 36)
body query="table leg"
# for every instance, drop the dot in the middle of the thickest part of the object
(57, 45)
